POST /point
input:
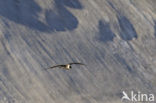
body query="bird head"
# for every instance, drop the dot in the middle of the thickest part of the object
(70, 66)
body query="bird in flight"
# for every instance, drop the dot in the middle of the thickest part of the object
(65, 66)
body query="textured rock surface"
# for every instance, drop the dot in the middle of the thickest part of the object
(115, 38)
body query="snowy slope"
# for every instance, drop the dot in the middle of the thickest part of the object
(116, 39)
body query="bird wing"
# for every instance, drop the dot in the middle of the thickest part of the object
(77, 63)
(56, 66)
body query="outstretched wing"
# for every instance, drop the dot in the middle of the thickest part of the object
(59, 66)
(76, 63)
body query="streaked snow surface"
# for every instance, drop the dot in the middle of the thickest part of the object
(116, 39)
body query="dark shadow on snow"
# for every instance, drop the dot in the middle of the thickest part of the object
(61, 19)
(127, 30)
(105, 32)
(26, 12)
(155, 28)
(22, 12)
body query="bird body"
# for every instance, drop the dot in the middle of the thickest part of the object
(66, 66)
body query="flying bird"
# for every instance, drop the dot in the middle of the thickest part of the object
(65, 66)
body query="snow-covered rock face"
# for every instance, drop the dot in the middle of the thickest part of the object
(116, 39)
(30, 14)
